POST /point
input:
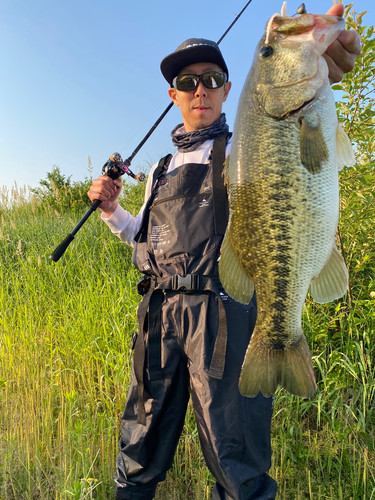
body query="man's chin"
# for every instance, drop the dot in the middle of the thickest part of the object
(203, 123)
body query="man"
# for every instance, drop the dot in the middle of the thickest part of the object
(192, 335)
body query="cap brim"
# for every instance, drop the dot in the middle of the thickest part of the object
(172, 64)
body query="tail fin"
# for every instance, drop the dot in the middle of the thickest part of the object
(265, 368)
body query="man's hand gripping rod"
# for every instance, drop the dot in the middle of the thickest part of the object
(115, 167)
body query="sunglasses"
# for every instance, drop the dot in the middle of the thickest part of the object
(211, 80)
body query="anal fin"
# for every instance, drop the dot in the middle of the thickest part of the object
(332, 282)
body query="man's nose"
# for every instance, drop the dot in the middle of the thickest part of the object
(201, 90)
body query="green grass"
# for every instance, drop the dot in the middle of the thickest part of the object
(65, 362)
(65, 345)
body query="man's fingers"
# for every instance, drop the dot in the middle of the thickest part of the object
(351, 42)
(96, 193)
(341, 55)
(336, 10)
(335, 73)
(103, 188)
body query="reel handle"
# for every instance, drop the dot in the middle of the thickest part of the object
(116, 167)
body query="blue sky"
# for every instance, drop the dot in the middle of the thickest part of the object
(82, 77)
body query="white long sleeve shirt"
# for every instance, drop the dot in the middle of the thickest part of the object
(123, 224)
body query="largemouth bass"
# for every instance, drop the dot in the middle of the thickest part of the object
(283, 190)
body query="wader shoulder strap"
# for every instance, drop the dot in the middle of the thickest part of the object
(158, 173)
(220, 197)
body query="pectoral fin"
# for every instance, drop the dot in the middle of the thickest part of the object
(233, 278)
(344, 150)
(332, 282)
(312, 145)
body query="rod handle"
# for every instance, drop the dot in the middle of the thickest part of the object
(94, 205)
(59, 251)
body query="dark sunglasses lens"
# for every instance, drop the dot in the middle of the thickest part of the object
(186, 82)
(213, 79)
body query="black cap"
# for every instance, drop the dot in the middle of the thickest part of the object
(193, 50)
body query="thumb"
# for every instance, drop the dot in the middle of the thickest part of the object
(337, 9)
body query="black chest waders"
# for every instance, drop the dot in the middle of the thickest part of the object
(191, 283)
(191, 343)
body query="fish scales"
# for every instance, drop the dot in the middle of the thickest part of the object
(268, 231)
(284, 208)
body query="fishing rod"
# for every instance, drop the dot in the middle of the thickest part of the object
(115, 167)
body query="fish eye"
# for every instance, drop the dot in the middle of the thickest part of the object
(266, 51)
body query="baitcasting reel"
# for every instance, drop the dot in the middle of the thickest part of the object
(115, 167)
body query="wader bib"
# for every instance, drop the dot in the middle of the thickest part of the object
(192, 339)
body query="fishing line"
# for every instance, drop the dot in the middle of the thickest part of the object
(115, 167)
(144, 123)
(234, 22)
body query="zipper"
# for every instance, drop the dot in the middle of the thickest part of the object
(175, 197)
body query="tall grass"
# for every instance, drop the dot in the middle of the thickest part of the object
(65, 363)
(65, 353)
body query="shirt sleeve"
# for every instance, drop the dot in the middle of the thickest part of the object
(122, 223)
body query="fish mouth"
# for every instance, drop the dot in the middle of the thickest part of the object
(320, 30)
(293, 113)
(305, 105)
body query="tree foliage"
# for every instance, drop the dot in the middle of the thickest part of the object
(60, 193)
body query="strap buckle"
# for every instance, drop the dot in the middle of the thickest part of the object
(143, 286)
(187, 283)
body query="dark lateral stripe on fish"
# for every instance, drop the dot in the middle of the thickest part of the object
(282, 259)
(282, 217)
(282, 240)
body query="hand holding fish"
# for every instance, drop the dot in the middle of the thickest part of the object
(340, 56)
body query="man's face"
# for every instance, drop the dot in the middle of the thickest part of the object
(201, 107)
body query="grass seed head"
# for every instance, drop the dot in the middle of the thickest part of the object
(19, 248)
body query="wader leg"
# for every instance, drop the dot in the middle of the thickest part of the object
(146, 452)
(219, 493)
(234, 431)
